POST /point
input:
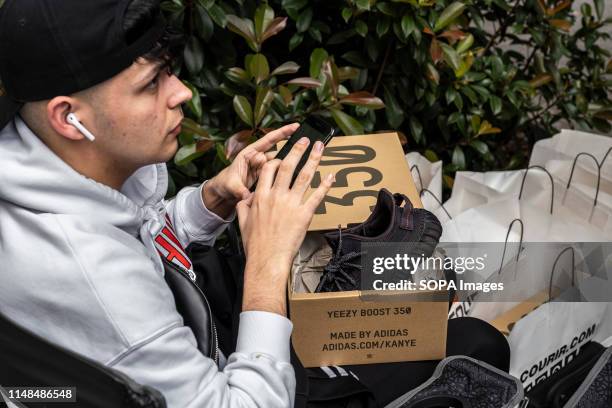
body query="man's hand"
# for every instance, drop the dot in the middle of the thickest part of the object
(273, 222)
(232, 184)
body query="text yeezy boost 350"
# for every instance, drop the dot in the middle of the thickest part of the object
(389, 222)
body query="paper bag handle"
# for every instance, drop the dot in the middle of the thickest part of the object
(552, 273)
(552, 184)
(414, 166)
(425, 190)
(569, 182)
(605, 157)
(501, 265)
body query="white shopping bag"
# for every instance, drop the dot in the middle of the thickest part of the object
(567, 144)
(427, 178)
(549, 337)
(490, 223)
(472, 189)
(581, 198)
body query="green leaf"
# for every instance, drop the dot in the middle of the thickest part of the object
(304, 20)
(382, 26)
(496, 104)
(432, 73)
(193, 55)
(465, 44)
(288, 67)
(355, 58)
(221, 154)
(195, 103)
(218, 15)
(305, 82)
(243, 109)
(263, 17)
(263, 99)
(315, 33)
(449, 14)
(244, 28)
(450, 95)
(372, 47)
(363, 98)
(363, 4)
(416, 129)
(408, 25)
(286, 94)
(345, 73)
(394, 112)
(294, 4)
(458, 158)
(203, 23)
(497, 67)
(431, 156)
(259, 68)
(599, 8)
(361, 27)
(237, 75)
(453, 118)
(450, 56)
(341, 37)
(475, 122)
(486, 128)
(276, 26)
(190, 126)
(317, 57)
(295, 40)
(167, 6)
(482, 91)
(458, 101)
(187, 154)
(480, 146)
(347, 13)
(348, 124)
(467, 91)
(386, 8)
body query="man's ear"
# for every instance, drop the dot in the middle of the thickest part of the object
(58, 109)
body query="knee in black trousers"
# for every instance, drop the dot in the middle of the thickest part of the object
(476, 338)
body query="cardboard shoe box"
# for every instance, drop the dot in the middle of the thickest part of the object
(343, 328)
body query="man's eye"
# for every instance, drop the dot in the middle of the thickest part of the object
(154, 82)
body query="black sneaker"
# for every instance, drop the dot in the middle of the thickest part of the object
(389, 222)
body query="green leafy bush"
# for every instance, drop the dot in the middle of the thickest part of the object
(473, 83)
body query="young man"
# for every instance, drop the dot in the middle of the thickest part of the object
(89, 116)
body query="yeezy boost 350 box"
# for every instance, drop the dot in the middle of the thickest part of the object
(352, 327)
(362, 165)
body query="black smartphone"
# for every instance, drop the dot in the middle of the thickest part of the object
(315, 129)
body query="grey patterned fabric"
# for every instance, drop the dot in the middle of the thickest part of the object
(463, 382)
(596, 390)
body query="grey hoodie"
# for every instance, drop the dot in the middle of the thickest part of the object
(80, 267)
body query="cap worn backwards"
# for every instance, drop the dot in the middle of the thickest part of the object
(50, 48)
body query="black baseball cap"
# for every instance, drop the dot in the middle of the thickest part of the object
(59, 47)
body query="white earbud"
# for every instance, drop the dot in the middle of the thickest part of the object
(74, 121)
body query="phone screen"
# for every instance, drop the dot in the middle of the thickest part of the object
(315, 130)
(310, 129)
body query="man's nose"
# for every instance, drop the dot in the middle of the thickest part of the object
(179, 93)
